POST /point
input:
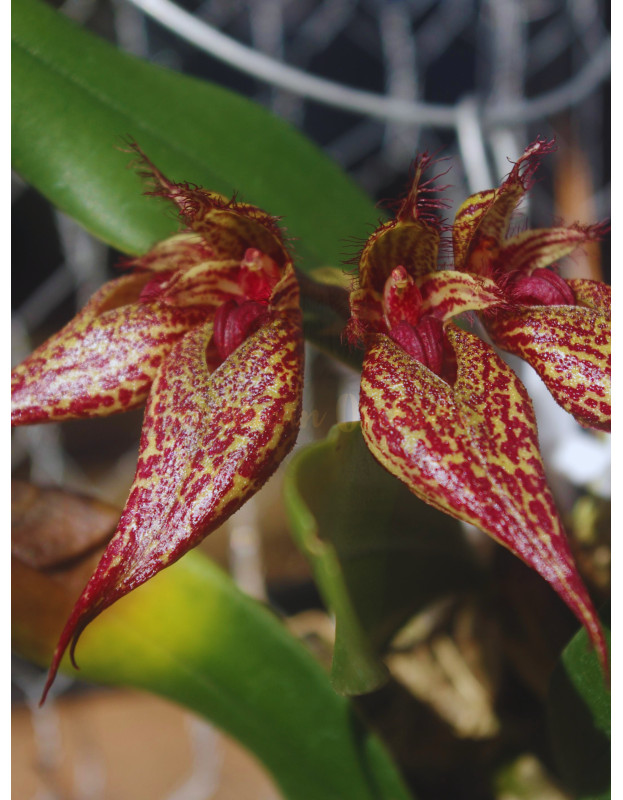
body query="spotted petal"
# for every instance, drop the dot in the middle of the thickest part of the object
(447, 294)
(209, 442)
(468, 217)
(208, 284)
(411, 243)
(482, 221)
(471, 450)
(592, 294)
(569, 346)
(178, 252)
(540, 247)
(103, 361)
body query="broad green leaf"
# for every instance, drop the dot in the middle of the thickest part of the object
(190, 635)
(379, 554)
(579, 719)
(76, 98)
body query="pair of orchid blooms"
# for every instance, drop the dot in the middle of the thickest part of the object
(207, 330)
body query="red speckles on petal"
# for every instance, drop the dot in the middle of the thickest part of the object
(569, 346)
(98, 364)
(209, 442)
(549, 321)
(410, 241)
(471, 450)
(537, 248)
(211, 321)
(592, 294)
(450, 293)
(178, 252)
(482, 221)
(228, 228)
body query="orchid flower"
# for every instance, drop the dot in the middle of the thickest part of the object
(207, 330)
(560, 327)
(439, 408)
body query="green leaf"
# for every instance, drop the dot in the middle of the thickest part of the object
(379, 554)
(579, 719)
(190, 635)
(75, 98)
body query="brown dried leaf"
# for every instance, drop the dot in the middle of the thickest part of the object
(50, 527)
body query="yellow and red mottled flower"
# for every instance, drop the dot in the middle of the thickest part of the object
(441, 411)
(207, 329)
(561, 328)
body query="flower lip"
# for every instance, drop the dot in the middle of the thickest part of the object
(240, 316)
(542, 287)
(402, 299)
(424, 341)
(234, 322)
(259, 275)
(421, 336)
(154, 288)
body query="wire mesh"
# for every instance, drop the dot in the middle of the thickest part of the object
(475, 80)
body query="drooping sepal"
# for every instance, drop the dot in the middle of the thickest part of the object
(471, 450)
(104, 360)
(210, 441)
(569, 347)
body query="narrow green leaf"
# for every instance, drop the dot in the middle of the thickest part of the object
(190, 635)
(579, 719)
(75, 98)
(379, 554)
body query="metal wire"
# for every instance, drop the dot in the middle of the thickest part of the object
(331, 93)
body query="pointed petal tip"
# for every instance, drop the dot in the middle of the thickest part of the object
(241, 225)
(418, 203)
(598, 641)
(471, 450)
(212, 443)
(69, 638)
(527, 164)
